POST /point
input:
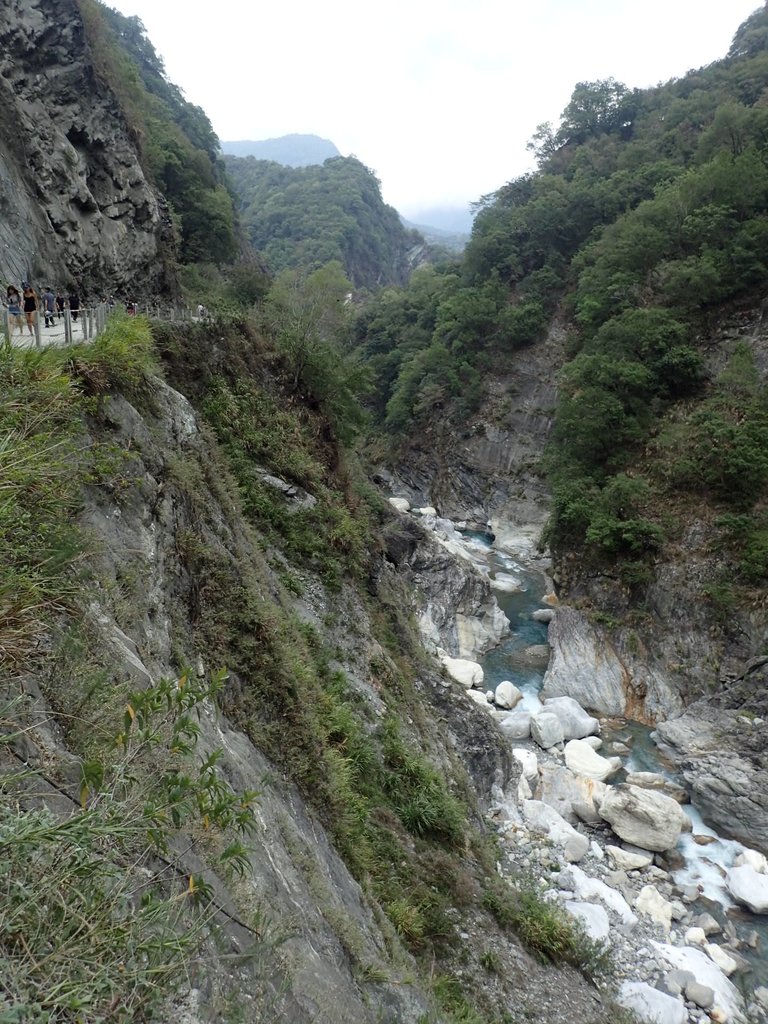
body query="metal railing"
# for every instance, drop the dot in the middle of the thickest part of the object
(86, 323)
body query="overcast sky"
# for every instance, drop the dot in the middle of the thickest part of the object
(438, 97)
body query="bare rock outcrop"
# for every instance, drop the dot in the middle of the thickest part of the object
(586, 666)
(76, 204)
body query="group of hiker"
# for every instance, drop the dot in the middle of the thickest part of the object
(25, 305)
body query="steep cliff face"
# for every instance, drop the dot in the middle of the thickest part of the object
(491, 474)
(76, 204)
(330, 713)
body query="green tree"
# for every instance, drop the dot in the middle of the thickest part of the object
(310, 316)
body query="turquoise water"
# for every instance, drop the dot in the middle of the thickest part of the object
(501, 663)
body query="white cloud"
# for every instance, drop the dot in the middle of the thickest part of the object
(437, 96)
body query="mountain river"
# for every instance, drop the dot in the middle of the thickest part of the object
(520, 586)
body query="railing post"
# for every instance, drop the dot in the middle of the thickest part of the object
(67, 327)
(38, 342)
(87, 332)
(6, 324)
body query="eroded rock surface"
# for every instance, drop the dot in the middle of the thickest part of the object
(76, 202)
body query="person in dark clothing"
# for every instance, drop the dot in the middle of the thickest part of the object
(30, 307)
(49, 306)
(74, 304)
(60, 301)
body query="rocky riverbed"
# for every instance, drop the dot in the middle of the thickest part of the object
(618, 846)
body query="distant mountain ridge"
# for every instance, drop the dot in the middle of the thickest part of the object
(309, 216)
(291, 150)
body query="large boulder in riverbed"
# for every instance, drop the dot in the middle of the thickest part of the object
(643, 817)
(583, 760)
(652, 780)
(749, 887)
(507, 695)
(546, 730)
(572, 796)
(544, 820)
(574, 719)
(650, 1006)
(467, 673)
(517, 725)
(706, 972)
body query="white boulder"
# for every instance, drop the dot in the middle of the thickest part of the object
(401, 504)
(686, 958)
(720, 957)
(695, 937)
(544, 820)
(516, 726)
(507, 695)
(480, 698)
(643, 817)
(467, 673)
(593, 919)
(583, 760)
(753, 859)
(651, 903)
(543, 615)
(749, 887)
(626, 860)
(574, 719)
(528, 762)
(546, 730)
(651, 1006)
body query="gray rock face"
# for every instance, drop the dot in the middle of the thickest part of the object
(82, 208)
(726, 768)
(457, 609)
(645, 818)
(586, 666)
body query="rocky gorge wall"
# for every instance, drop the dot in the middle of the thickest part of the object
(648, 652)
(76, 205)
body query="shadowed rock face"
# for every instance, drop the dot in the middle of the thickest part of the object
(721, 746)
(76, 205)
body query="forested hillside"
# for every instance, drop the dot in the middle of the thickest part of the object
(309, 216)
(644, 226)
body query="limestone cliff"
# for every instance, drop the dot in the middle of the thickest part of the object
(77, 207)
